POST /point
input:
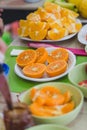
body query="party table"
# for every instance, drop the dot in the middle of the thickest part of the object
(18, 85)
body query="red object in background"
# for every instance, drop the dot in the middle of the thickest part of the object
(14, 27)
(83, 83)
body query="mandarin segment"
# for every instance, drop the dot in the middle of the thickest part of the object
(56, 34)
(33, 17)
(68, 107)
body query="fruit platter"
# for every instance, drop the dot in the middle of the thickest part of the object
(49, 64)
(49, 23)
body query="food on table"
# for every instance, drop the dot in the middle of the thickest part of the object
(68, 107)
(18, 118)
(83, 83)
(56, 68)
(50, 101)
(26, 57)
(41, 55)
(37, 30)
(58, 54)
(34, 70)
(51, 22)
(39, 63)
(23, 30)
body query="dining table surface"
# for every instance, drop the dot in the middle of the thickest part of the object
(20, 4)
(16, 84)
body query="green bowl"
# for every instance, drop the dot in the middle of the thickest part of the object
(65, 119)
(48, 127)
(78, 74)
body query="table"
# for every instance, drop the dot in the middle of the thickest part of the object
(80, 122)
(20, 4)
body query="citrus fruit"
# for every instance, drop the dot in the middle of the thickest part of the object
(34, 70)
(56, 68)
(41, 55)
(58, 54)
(26, 57)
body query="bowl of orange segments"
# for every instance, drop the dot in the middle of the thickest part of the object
(49, 23)
(53, 102)
(44, 64)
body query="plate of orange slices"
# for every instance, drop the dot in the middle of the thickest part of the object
(50, 64)
(49, 23)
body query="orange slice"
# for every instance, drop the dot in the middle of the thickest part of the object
(26, 57)
(67, 96)
(53, 96)
(42, 111)
(37, 30)
(68, 107)
(58, 54)
(33, 17)
(56, 68)
(56, 34)
(34, 70)
(23, 28)
(41, 55)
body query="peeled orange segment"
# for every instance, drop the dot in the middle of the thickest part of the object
(56, 34)
(33, 93)
(23, 28)
(51, 7)
(36, 96)
(41, 55)
(56, 68)
(78, 26)
(67, 96)
(37, 26)
(26, 57)
(42, 12)
(73, 27)
(23, 23)
(52, 95)
(56, 24)
(43, 111)
(38, 35)
(68, 107)
(35, 70)
(58, 54)
(33, 17)
(37, 30)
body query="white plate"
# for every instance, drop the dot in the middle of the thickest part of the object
(63, 39)
(71, 63)
(82, 35)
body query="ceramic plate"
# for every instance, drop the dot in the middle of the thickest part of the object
(82, 35)
(71, 63)
(63, 39)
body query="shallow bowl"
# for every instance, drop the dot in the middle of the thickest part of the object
(64, 119)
